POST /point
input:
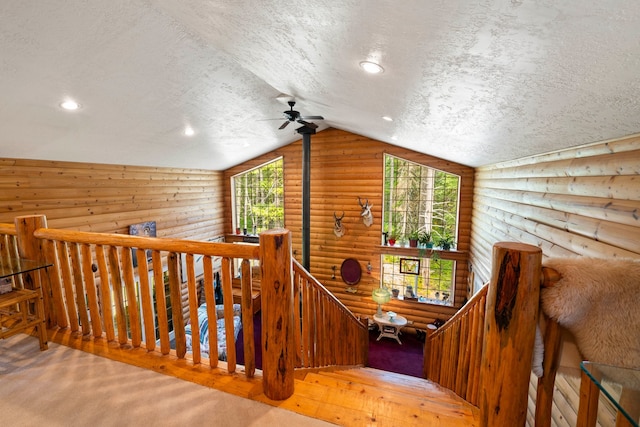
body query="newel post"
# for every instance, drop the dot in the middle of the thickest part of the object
(509, 331)
(278, 349)
(28, 246)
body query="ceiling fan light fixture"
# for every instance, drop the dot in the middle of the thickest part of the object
(371, 67)
(188, 131)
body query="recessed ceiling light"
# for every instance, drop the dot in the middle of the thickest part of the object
(371, 67)
(387, 118)
(188, 131)
(70, 105)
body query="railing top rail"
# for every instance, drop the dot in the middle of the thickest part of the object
(9, 229)
(155, 243)
(297, 266)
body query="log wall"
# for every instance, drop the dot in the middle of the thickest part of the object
(583, 201)
(343, 167)
(184, 203)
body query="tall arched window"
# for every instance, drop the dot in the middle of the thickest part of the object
(258, 198)
(419, 200)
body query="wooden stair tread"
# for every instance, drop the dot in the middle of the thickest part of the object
(346, 399)
(399, 382)
(435, 396)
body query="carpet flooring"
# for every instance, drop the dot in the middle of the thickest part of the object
(386, 354)
(66, 387)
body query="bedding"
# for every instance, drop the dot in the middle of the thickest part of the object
(203, 327)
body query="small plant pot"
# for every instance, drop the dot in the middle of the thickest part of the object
(392, 241)
(395, 292)
(413, 243)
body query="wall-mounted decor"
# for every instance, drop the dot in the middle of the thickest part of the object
(367, 216)
(410, 266)
(144, 229)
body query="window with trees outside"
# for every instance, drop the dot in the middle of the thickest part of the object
(258, 198)
(419, 203)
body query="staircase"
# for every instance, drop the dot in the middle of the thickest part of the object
(367, 396)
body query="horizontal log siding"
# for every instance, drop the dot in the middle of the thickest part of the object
(583, 201)
(343, 167)
(184, 203)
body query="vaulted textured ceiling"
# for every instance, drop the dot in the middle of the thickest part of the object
(474, 82)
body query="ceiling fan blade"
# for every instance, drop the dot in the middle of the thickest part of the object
(312, 117)
(284, 125)
(308, 124)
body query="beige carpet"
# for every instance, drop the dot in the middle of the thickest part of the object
(66, 387)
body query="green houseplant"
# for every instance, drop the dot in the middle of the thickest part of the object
(413, 239)
(446, 242)
(424, 238)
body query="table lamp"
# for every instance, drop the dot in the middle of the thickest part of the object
(381, 296)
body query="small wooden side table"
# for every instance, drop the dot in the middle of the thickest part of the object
(22, 309)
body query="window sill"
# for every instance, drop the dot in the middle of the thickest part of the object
(454, 255)
(424, 301)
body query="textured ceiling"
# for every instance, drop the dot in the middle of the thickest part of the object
(474, 82)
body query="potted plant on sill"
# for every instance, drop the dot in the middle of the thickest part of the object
(391, 240)
(446, 242)
(424, 238)
(413, 239)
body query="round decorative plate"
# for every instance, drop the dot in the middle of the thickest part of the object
(351, 271)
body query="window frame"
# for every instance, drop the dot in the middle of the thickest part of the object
(401, 252)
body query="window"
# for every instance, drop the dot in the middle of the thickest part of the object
(417, 200)
(258, 198)
(425, 280)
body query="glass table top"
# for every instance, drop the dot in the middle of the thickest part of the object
(15, 266)
(611, 380)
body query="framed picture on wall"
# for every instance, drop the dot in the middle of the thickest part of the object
(144, 229)
(410, 266)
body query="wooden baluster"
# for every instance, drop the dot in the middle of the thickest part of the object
(105, 294)
(161, 302)
(116, 285)
(145, 300)
(78, 281)
(511, 318)
(132, 299)
(176, 304)
(546, 383)
(227, 290)
(247, 319)
(58, 317)
(297, 320)
(65, 270)
(210, 298)
(92, 296)
(193, 309)
(277, 315)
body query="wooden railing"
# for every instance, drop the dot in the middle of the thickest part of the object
(327, 333)
(95, 289)
(453, 352)
(484, 352)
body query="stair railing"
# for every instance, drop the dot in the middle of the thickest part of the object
(489, 344)
(327, 333)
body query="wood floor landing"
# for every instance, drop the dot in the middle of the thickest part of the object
(354, 397)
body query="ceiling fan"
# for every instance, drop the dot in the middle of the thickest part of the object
(294, 116)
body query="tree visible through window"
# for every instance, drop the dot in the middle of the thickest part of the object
(259, 198)
(419, 199)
